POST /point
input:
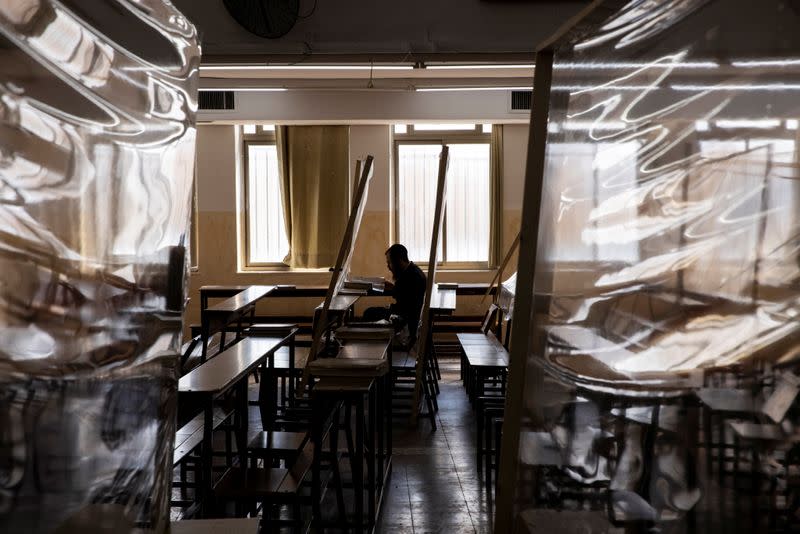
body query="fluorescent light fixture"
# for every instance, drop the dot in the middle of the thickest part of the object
(792, 124)
(435, 89)
(604, 87)
(702, 126)
(305, 67)
(478, 67)
(738, 87)
(422, 127)
(747, 123)
(755, 63)
(593, 125)
(244, 89)
(638, 65)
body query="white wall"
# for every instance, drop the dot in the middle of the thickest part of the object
(374, 140)
(515, 150)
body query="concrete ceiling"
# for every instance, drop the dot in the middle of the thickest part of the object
(382, 30)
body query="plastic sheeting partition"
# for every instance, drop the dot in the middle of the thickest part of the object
(98, 103)
(668, 266)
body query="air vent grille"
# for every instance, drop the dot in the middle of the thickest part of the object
(211, 100)
(521, 100)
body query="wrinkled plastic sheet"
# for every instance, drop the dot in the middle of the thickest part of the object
(508, 289)
(97, 111)
(668, 260)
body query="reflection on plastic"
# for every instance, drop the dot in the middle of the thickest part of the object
(97, 107)
(669, 262)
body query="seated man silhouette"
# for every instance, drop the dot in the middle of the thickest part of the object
(408, 291)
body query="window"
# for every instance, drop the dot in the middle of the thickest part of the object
(194, 239)
(466, 234)
(264, 226)
(594, 183)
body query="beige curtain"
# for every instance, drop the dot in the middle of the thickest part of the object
(315, 180)
(496, 193)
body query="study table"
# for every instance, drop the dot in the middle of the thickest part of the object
(225, 372)
(231, 310)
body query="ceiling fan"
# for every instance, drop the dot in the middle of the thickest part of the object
(266, 18)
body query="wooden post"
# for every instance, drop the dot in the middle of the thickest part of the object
(588, 18)
(364, 171)
(524, 299)
(421, 346)
(498, 275)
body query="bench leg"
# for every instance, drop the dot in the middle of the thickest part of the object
(337, 478)
(358, 468)
(316, 480)
(371, 457)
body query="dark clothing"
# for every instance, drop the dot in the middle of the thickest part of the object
(409, 294)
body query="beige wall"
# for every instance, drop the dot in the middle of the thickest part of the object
(218, 160)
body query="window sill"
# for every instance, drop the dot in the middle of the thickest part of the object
(280, 269)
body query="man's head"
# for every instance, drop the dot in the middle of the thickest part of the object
(397, 258)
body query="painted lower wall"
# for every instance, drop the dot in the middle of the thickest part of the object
(218, 160)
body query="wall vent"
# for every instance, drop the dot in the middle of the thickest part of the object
(521, 100)
(216, 100)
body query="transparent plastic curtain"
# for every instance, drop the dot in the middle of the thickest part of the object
(661, 383)
(97, 113)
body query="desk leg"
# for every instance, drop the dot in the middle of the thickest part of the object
(244, 422)
(291, 370)
(266, 396)
(316, 479)
(358, 467)
(204, 328)
(371, 457)
(380, 384)
(206, 459)
(389, 420)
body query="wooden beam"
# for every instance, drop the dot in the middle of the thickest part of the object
(421, 346)
(523, 302)
(494, 285)
(364, 171)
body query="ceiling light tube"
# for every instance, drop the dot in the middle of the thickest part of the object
(451, 66)
(442, 89)
(738, 87)
(244, 89)
(305, 67)
(747, 123)
(755, 63)
(638, 65)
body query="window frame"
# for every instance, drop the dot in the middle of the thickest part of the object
(194, 228)
(444, 137)
(260, 138)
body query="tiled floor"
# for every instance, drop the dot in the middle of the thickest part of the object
(434, 485)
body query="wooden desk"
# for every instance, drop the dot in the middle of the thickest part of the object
(341, 303)
(443, 301)
(475, 289)
(216, 526)
(226, 371)
(215, 318)
(225, 291)
(358, 375)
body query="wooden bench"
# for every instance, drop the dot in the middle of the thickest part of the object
(218, 376)
(249, 486)
(187, 441)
